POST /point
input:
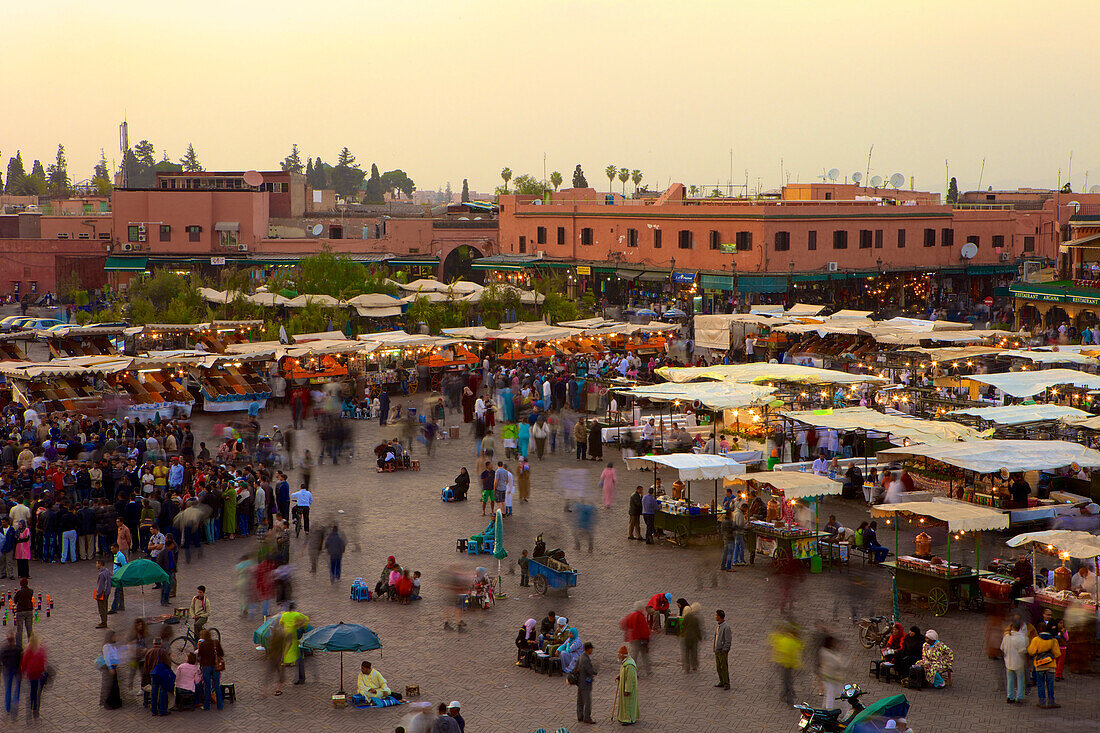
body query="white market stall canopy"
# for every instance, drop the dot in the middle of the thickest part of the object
(256, 349)
(945, 354)
(697, 467)
(851, 314)
(960, 516)
(796, 484)
(1023, 414)
(1051, 357)
(1078, 544)
(990, 456)
(374, 300)
(1088, 423)
(534, 331)
(1031, 383)
(713, 395)
(216, 296)
(899, 426)
(325, 348)
(267, 299)
(426, 285)
(65, 367)
(803, 310)
(325, 301)
(714, 331)
(752, 373)
(431, 297)
(526, 297)
(319, 336)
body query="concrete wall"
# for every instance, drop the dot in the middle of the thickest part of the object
(47, 261)
(180, 209)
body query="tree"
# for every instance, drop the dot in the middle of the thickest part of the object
(624, 176)
(374, 192)
(190, 161)
(555, 180)
(38, 178)
(1067, 188)
(952, 191)
(320, 177)
(465, 191)
(398, 181)
(339, 276)
(58, 174)
(506, 174)
(693, 190)
(145, 153)
(293, 162)
(448, 194)
(579, 181)
(636, 178)
(309, 172)
(16, 174)
(610, 171)
(528, 185)
(347, 175)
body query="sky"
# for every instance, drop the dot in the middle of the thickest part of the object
(447, 90)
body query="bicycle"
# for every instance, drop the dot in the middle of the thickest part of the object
(178, 646)
(870, 635)
(296, 512)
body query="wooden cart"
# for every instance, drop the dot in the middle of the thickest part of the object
(679, 528)
(940, 590)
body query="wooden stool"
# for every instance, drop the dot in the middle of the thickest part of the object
(553, 665)
(461, 544)
(542, 663)
(876, 668)
(229, 692)
(891, 672)
(415, 465)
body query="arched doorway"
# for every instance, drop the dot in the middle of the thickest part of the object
(456, 265)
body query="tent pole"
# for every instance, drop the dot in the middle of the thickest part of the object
(978, 551)
(949, 548)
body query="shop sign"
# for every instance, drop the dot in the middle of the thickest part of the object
(728, 248)
(217, 260)
(584, 270)
(683, 277)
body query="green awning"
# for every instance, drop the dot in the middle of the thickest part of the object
(413, 262)
(1005, 269)
(762, 284)
(126, 264)
(718, 282)
(478, 265)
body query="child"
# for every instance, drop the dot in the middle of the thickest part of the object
(416, 585)
(524, 576)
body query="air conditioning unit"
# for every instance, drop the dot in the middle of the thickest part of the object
(141, 229)
(539, 254)
(141, 237)
(831, 267)
(127, 247)
(242, 247)
(1005, 257)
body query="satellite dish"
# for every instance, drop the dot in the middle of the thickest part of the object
(253, 178)
(876, 181)
(857, 177)
(1094, 189)
(317, 229)
(969, 251)
(834, 173)
(897, 180)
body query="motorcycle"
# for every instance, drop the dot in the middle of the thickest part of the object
(819, 720)
(871, 634)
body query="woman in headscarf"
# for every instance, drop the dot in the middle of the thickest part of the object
(936, 659)
(570, 651)
(229, 510)
(523, 479)
(607, 483)
(467, 404)
(894, 642)
(910, 652)
(526, 642)
(523, 438)
(595, 441)
(461, 485)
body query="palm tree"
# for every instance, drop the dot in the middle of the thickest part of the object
(555, 180)
(693, 190)
(506, 174)
(624, 176)
(636, 178)
(610, 171)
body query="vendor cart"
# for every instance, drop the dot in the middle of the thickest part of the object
(782, 543)
(548, 573)
(679, 528)
(940, 588)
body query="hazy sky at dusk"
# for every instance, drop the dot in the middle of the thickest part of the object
(448, 90)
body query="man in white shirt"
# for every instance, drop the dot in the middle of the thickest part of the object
(821, 465)
(1080, 578)
(749, 354)
(305, 501)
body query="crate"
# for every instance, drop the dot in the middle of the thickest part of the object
(412, 691)
(339, 701)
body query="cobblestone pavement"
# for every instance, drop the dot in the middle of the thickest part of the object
(401, 514)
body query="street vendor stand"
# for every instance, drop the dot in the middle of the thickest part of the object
(1064, 544)
(941, 584)
(679, 517)
(784, 538)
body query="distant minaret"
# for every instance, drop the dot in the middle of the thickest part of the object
(124, 145)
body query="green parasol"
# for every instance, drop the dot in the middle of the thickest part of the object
(142, 573)
(895, 706)
(498, 546)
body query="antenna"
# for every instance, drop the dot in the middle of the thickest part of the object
(857, 177)
(253, 178)
(824, 176)
(124, 143)
(981, 175)
(897, 180)
(869, 160)
(834, 173)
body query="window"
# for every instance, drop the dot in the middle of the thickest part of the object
(744, 241)
(1029, 244)
(193, 232)
(62, 235)
(865, 239)
(561, 235)
(973, 239)
(335, 232)
(782, 241)
(714, 237)
(998, 241)
(901, 239)
(34, 286)
(15, 286)
(828, 196)
(631, 237)
(165, 233)
(656, 239)
(83, 235)
(840, 239)
(811, 240)
(132, 233)
(686, 240)
(586, 236)
(540, 235)
(229, 239)
(929, 237)
(947, 237)
(878, 239)
(104, 235)
(523, 245)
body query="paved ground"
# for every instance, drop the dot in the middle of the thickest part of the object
(400, 514)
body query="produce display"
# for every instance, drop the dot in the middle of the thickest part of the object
(1063, 598)
(935, 566)
(682, 506)
(786, 530)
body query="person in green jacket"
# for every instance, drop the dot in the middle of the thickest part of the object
(626, 696)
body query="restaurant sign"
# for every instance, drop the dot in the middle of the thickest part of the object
(683, 277)
(584, 270)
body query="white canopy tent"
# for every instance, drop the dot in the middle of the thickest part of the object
(267, 299)
(796, 484)
(898, 426)
(1023, 414)
(960, 516)
(326, 301)
(319, 336)
(1031, 383)
(803, 310)
(990, 456)
(752, 373)
(1077, 544)
(374, 300)
(430, 296)
(1051, 357)
(713, 395)
(697, 467)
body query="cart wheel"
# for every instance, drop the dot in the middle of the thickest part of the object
(540, 584)
(866, 640)
(780, 558)
(937, 601)
(681, 539)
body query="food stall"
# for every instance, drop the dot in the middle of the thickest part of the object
(677, 515)
(784, 537)
(942, 584)
(1064, 544)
